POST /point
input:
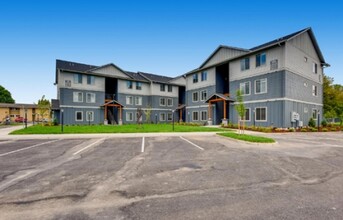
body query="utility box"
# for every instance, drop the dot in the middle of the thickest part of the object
(295, 116)
(300, 124)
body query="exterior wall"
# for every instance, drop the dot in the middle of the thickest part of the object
(271, 54)
(69, 116)
(179, 81)
(223, 54)
(99, 83)
(211, 80)
(189, 96)
(111, 71)
(296, 50)
(154, 117)
(19, 112)
(4, 112)
(66, 98)
(122, 88)
(157, 91)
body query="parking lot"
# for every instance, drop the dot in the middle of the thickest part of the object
(172, 177)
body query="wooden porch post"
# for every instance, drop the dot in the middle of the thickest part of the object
(120, 113)
(105, 112)
(224, 109)
(209, 111)
(180, 119)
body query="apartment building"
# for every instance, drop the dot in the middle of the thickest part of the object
(281, 83)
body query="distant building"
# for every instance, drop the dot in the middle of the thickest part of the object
(14, 111)
(281, 82)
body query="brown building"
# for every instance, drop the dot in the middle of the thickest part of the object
(18, 110)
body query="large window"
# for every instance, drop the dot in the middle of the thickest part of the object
(162, 102)
(260, 86)
(78, 116)
(129, 100)
(162, 116)
(314, 67)
(261, 59)
(162, 87)
(78, 97)
(195, 96)
(138, 100)
(170, 116)
(203, 76)
(245, 88)
(170, 102)
(314, 113)
(203, 115)
(245, 64)
(90, 97)
(78, 78)
(261, 114)
(89, 116)
(129, 84)
(170, 88)
(203, 95)
(129, 116)
(247, 114)
(314, 90)
(195, 116)
(90, 80)
(195, 78)
(138, 86)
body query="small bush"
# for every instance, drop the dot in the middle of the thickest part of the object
(312, 123)
(313, 129)
(291, 129)
(324, 123)
(303, 130)
(324, 129)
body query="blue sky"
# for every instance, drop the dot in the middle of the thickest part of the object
(162, 37)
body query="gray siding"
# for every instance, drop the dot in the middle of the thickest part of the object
(69, 116)
(66, 98)
(189, 93)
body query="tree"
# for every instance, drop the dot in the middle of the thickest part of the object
(147, 113)
(240, 108)
(5, 96)
(44, 107)
(332, 99)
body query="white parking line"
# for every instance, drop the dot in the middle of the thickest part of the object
(143, 143)
(191, 143)
(92, 144)
(26, 148)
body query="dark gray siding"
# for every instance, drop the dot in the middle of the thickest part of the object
(210, 90)
(66, 97)
(69, 116)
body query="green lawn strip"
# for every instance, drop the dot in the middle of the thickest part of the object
(246, 137)
(145, 128)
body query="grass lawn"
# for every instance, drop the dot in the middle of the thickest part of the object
(246, 137)
(85, 129)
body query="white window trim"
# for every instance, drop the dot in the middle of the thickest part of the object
(193, 116)
(249, 115)
(169, 86)
(127, 117)
(76, 116)
(127, 98)
(315, 118)
(200, 94)
(205, 74)
(137, 98)
(258, 93)
(77, 97)
(172, 103)
(244, 64)
(266, 114)
(91, 94)
(193, 97)
(162, 113)
(314, 64)
(171, 116)
(92, 118)
(201, 119)
(164, 102)
(249, 87)
(92, 81)
(313, 91)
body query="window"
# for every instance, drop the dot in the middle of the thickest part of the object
(261, 114)
(314, 90)
(138, 100)
(170, 88)
(78, 116)
(260, 59)
(203, 76)
(90, 80)
(170, 116)
(274, 64)
(195, 78)
(162, 102)
(195, 116)
(162, 116)
(203, 115)
(162, 87)
(260, 86)
(129, 84)
(170, 102)
(90, 97)
(314, 67)
(314, 113)
(138, 85)
(203, 95)
(195, 97)
(90, 116)
(78, 78)
(129, 116)
(247, 114)
(78, 97)
(245, 64)
(245, 88)
(129, 100)
(67, 83)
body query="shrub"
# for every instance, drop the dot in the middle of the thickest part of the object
(291, 129)
(324, 123)
(303, 130)
(313, 129)
(312, 123)
(324, 129)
